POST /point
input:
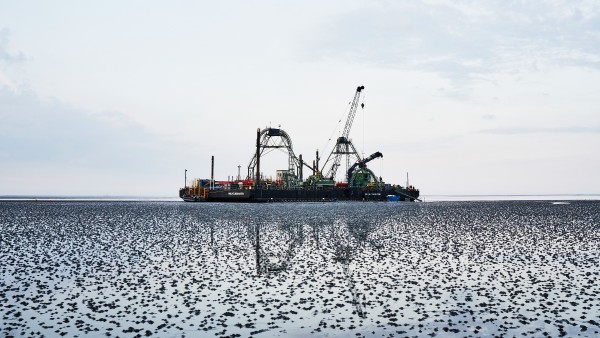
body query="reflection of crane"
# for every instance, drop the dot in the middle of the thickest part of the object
(343, 145)
(362, 164)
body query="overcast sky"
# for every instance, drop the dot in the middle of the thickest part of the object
(468, 97)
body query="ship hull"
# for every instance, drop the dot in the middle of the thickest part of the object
(302, 195)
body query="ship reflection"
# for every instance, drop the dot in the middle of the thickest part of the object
(276, 247)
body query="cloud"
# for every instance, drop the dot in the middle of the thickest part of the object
(463, 39)
(34, 130)
(5, 54)
(555, 130)
(48, 145)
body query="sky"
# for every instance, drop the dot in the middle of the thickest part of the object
(468, 97)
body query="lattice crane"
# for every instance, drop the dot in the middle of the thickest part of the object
(343, 145)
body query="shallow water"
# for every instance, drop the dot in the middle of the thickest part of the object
(92, 268)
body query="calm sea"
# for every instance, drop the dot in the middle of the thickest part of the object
(458, 268)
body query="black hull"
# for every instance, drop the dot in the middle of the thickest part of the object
(301, 195)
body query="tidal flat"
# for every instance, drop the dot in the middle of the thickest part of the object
(468, 269)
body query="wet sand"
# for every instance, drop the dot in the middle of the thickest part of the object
(522, 268)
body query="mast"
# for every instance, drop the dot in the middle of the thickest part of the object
(257, 181)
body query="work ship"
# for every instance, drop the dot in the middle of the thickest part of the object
(359, 183)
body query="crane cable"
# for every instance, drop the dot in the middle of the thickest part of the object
(362, 106)
(344, 113)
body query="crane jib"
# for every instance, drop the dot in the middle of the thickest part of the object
(343, 144)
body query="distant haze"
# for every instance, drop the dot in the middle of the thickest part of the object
(120, 97)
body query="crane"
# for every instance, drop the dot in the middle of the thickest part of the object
(343, 145)
(362, 163)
